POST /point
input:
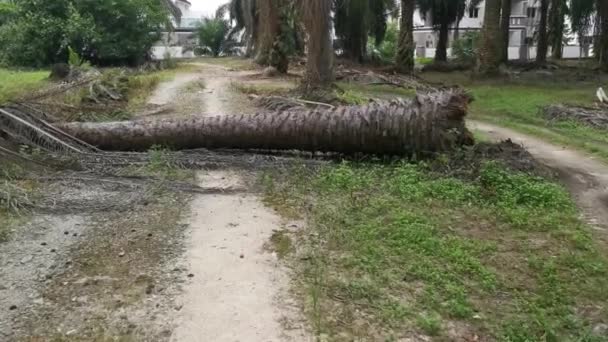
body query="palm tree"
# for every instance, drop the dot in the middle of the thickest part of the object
(243, 15)
(442, 14)
(356, 20)
(505, 27)
(490, 46)
(557, 17)
(602, 9)
(173, 9)
(406, 46)
(543, 41)
(317, 20)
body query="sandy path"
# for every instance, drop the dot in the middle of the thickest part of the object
(586, 178)
(238, 290)
(168, 91)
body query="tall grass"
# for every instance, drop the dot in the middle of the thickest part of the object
(15, 83)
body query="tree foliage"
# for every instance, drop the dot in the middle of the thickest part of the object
(102, 31)
(214, 37)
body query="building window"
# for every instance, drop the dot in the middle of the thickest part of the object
(531, 12)
(474, 12)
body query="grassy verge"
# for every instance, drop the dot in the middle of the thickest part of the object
(15, 195)
(517, 105)
(14, 83)
(235, 63)
(397, 251)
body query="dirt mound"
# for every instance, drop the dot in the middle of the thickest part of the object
(467, 162)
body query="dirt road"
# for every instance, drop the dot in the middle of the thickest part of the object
(238, 290)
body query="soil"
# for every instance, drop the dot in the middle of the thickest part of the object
(160, 265)
(245, 287)
(467, 162)
(586, 178)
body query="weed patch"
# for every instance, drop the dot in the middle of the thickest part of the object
(15, 83)
(399, 247)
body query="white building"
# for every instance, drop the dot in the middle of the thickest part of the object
(181, 42)
(525, 15)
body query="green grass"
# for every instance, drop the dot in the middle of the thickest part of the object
(517, 105)
(235, 63)
(397, 248)
(16, 83)
(363, 93)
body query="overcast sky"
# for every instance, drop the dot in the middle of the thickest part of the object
(207, 6)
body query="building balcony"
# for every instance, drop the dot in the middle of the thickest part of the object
(519, 20)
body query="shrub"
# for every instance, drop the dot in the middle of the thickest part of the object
(465, 48)
(385, 52)
(39, 32)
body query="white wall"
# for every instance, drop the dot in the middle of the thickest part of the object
(177, 52)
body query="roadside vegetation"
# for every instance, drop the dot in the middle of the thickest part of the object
(518, 104)
(398, 249)
(15, 83)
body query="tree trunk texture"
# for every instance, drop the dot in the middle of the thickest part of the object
(543, 41)
(251, 26)
(603, 46)
(441, 54)
(406, 46)
(320, 60)
(269, 28)
(426, 124)
(505, 27)
(489, 55)
(557, 16)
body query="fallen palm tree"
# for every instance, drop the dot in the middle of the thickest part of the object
(426, 124)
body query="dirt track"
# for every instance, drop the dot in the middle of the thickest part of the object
(239, 290)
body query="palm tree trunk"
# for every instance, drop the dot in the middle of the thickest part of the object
(317, 20)
(441, 54)
(557, 15)
(457, 30)
(603, 41)
(543, 41)
(268, 30)
(505, 28)
(405, 49)
(429, 123)
(249, 18)
(491, 42)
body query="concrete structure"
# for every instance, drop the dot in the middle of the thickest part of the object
(181, 42)
(525, 15)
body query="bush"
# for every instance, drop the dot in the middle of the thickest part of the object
(465, 48)
(386, 51)
(39, 32)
